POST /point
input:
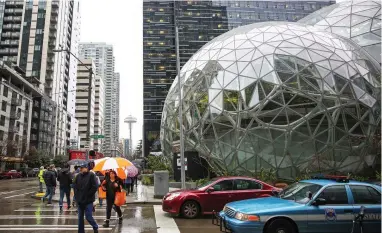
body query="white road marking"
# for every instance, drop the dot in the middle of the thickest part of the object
(74, 229)
(165, 224)
(1, 193)
(18, 195)
(6, 217)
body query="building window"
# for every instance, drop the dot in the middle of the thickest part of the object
(4, 106)
(37, 47)
(5, 91)
(39, 31)
(1, 135)
(2, 120)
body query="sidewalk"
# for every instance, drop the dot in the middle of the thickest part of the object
(142, 195)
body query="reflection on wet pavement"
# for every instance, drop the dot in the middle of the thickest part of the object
(138, 219)
(20, 213)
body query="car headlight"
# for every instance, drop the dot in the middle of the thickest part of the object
(247, 217)
(172, 196)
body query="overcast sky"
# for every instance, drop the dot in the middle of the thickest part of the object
(119, 23)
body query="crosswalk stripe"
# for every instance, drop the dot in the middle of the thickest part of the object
(18, 195)
(164, 223)
(48, 217)
(75, 229)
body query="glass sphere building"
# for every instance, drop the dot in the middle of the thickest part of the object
(358, 20)
(282, 96)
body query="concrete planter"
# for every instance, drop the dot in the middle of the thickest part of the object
(189, 185)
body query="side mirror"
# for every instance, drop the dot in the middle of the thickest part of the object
(319, 201)
(210, 190)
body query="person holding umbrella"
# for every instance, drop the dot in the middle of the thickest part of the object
(111, 186)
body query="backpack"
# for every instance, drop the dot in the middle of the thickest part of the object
(98, 181)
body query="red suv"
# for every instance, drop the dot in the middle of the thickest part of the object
(213, 195)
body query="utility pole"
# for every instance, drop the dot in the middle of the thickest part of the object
(181, 136)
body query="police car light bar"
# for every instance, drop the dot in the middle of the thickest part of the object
(342, 179)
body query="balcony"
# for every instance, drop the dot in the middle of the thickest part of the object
(4, 51)
(50, 61)
(6, 35)
(53, 19)
(54, 11)
(55, 4)
(52, 35)
(9, 27)
(14, 129)
(16, 101)
(15, 115)
(52, 44)
(49, 76)
(53, 27)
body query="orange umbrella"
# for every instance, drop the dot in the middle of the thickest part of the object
(111, 163)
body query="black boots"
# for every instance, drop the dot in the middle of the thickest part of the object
(106, 224)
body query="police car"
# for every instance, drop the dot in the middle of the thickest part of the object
(315, 206)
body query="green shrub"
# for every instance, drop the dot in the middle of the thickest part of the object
(147, 180)
(159, 163)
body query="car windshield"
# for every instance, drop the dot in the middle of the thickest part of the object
(299, 191)
(205, 184)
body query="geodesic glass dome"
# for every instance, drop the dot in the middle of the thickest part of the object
(358, 20)
(280, 96)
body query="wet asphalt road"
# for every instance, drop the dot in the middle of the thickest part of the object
(20, 213)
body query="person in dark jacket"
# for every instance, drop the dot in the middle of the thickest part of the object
(85, 188)
(65, 179)
(111, 185)
(50, 182)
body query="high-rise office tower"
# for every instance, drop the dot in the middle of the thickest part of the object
(11, 19)
(85, 106)
(31, 30)
(102, 55)
(198, 23)
(99, 114)
(116, 105)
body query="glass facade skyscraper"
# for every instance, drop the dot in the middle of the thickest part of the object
(199, 22)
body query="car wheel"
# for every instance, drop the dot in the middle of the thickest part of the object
(281, 226)
(190, 209)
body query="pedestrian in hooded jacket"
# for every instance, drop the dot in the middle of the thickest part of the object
(65, 179)
(85, 188)
(50, 181)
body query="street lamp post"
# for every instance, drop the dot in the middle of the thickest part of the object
(181, 136)
(89, 94)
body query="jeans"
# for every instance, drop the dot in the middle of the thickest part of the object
(40, 186)
(100, 200)
(109, 206)
(88, 212)
(127, 187)
(49, 192)
(64, 191)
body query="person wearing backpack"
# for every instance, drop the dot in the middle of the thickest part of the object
(50, 181)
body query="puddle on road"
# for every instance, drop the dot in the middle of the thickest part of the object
(138, 219)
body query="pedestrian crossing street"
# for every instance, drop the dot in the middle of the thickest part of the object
(38, 217)
(21, 213)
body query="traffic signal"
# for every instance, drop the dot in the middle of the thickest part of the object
(92, 153)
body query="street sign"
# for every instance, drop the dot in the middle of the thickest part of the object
(97, 136)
